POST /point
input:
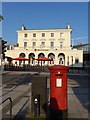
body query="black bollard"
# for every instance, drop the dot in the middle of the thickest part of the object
(36, 106)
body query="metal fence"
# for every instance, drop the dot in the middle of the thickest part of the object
(42, 69)
(26, 68)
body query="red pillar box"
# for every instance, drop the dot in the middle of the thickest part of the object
(58, 87)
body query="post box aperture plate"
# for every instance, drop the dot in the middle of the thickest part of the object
(58, 82)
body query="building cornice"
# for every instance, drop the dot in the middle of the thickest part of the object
(44, 30)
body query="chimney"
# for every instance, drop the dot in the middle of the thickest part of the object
(68, 26)
(23, 27)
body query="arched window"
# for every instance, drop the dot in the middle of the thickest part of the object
(51, 55)
(31, 58)
(22, 55)
(61, 57)
(40, 55)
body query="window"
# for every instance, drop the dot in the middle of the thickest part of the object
(76, 60)
(25, 44)
(61, 44)
(12, 47)
(33, 44)
(34, 34)
(52, 44)
(72, 59)
(43, 44)
(25, 35)
(7, 47)
(43, 34)
(61, 35)
(52, 34)
(67, 60)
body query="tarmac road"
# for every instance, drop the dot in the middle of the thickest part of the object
(82, 79)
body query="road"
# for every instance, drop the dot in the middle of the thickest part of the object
(82, 79)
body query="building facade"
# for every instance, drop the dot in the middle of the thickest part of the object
(86, 53)
(50, 43)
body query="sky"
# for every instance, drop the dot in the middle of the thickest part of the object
(45, 15)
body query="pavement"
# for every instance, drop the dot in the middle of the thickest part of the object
(75, 107)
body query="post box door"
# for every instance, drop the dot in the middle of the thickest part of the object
(58, 88)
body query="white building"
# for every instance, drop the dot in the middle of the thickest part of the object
(51, 43)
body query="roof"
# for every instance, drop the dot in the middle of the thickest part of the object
(81, 45)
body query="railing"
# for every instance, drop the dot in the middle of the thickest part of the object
(10, 106)
(42, 69)
(26, 68)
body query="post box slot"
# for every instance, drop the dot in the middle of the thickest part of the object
(59, 74)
